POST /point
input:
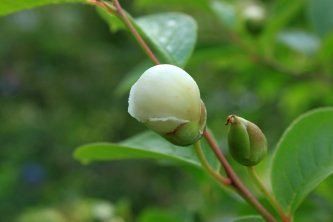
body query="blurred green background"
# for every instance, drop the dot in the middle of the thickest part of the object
(63, 83)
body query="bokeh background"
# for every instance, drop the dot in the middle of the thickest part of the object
(64, 82)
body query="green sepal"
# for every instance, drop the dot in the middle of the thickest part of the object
(188, 133)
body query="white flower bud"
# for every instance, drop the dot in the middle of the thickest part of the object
(167, 100)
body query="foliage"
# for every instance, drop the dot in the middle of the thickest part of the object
(303, 157)
(146, 145)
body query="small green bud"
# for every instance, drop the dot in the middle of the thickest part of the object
(167, 100)
(247, 143)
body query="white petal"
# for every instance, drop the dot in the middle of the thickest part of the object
(165, 92)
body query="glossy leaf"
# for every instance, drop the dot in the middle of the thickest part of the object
(143, 146)
(304, 157)
(248, 219)
(173, 35)
(11, 6)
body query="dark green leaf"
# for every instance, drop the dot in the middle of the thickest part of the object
(173, 35)
(11, 6)
(143, 146)
(304, 157)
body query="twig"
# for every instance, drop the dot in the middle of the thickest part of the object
(117, 10)
(235, 181)
(135, 33)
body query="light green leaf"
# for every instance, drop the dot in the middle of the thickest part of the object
(248, 219)
(173, 35)
(304, 158)
(11, 6)
(143, 146)
(321, 16)
(300, 41)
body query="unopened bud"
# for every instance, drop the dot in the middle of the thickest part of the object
(247, 143)
(167, 100)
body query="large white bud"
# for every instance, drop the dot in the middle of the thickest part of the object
(167, 100)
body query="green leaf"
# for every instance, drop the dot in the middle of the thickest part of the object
(321, 16)
(173, 35)
(304, 158)
(248, 219)
(11, 6)
(143, 146)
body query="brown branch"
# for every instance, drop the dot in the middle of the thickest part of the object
(123, 16)
(235, 181)
(117, 10)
